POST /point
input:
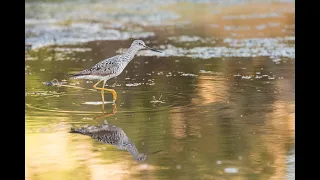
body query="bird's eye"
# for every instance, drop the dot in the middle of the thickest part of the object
(140, 44)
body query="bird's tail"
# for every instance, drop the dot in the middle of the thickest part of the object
(77, 75)
(77, 131)
(83, 130)
(74, 130)
(72, 75)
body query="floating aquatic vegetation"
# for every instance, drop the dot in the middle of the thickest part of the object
(157, 101)
(259, 42)
(43, 93)
(237, 28)
(134, 84)
(185, 38)
(253, 47)
(260, 27)
(188, 74)
(231, 170)
(30, 58)
(253, 16)
(210, 72)
(70, 50)
(72, 22)
(45, 35)
(251, 77)
(246, 77)
(75, 83)
(273, 24)
(100, 11)
(54, 82)
(169, 74)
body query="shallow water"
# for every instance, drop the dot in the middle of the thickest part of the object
(219, 102)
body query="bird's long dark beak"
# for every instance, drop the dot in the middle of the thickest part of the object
(153, 49)
(154, 152)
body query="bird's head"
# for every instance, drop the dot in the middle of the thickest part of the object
(141, 157)
(139, 44)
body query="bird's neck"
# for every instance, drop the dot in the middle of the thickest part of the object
(129, 55)
(132, 149)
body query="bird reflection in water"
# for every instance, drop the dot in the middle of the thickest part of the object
(110, 134)
(104, 115)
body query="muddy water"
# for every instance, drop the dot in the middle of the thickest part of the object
(218, 102)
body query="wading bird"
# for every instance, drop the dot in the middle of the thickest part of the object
(110, 68)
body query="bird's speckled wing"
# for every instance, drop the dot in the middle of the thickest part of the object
(103, 68)
(106, 133)
(111, 134)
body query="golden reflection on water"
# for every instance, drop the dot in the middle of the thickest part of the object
(46, 153)
(56, 155)
(206, 90)
(282, 122)
(207, 17)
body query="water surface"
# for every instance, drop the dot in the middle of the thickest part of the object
(219, 102)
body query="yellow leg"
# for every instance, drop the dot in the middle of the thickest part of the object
(114, 94)
(102, 92)
(114, 111)
(95, 86)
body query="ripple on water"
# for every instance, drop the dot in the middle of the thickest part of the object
(61, 110)
(176, 98)
(44, 94)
